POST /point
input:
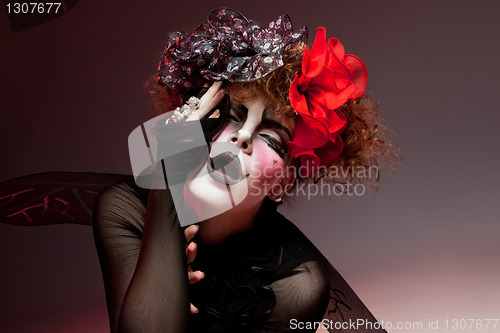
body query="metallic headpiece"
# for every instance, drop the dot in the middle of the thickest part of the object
(227, 47)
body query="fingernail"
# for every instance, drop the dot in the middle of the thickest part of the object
(218, 83)
(220, 92)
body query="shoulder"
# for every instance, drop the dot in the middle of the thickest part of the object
(120, 206)
(302, 296)
(302, 289)
(296, 245)
(126, 189)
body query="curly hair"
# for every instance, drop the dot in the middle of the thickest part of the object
(367, 141)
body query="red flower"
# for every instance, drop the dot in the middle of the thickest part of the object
(329, 78)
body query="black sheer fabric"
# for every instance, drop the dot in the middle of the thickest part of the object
(270, 278)
(257, 281)
(53, 197)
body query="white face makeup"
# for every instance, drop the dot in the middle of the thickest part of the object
(252, 150)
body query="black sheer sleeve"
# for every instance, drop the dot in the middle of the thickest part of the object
(300, 297)
(53, 197)
(143, 260)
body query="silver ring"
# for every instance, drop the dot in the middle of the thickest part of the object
(194, 101)
(182, 113)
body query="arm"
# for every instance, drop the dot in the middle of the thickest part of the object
(143, 258)
(157, 299)
(143, 262)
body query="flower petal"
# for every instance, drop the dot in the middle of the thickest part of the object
(297, 100)
(338, 122)
(328, 153)
(317, 57)
(337, 48)
(359, 76)
(310, 132)
(329, 79)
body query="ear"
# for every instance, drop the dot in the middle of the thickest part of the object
(278, 190)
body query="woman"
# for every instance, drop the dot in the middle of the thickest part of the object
(275, 115)
(254, 271)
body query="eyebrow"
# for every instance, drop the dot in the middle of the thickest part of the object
(274, 123)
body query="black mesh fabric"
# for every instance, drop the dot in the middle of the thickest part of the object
(255, 282)
(268, 279)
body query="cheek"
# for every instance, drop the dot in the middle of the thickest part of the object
(267, 165)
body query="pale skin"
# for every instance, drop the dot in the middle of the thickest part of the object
(214, 230)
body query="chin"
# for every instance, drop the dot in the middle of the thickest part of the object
(208, 196)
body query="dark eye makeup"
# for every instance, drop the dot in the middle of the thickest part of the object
(238, 114)
(275, 145)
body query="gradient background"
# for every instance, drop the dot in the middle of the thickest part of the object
(424, 247)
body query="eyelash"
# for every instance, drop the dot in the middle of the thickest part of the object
(274, 145)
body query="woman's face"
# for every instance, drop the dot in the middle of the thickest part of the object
(248, 160)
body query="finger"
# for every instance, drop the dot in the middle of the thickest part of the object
(206, 107)
(210, 100)
(216, 114)
(191, 252)
(190, 231)
(211, 92)
(193, 309)
(195, 276)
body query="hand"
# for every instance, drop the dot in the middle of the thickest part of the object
(208, 101)
(196, 276)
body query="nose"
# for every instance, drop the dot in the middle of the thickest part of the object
(243, 139)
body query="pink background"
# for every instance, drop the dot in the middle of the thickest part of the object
(425, 247)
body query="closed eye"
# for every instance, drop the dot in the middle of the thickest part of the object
(274, 144)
